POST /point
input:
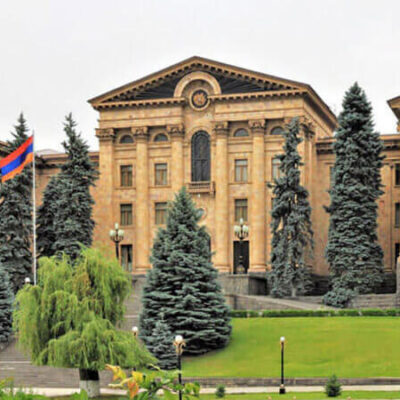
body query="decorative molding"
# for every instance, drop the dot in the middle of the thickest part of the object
(257, 126)
(176, 131)
(105, 134)
(197, 76)
(140, 133)
(221, 128)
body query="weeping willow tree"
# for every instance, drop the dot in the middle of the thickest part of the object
(70, 318)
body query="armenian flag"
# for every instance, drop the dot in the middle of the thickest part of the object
(15, 162)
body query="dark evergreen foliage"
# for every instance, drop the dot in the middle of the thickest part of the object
(16, 217)
(73, 223)
(46, 214)
(161, 345)
(291, 222)
(182, 285)
(354, 255)
(6, 302)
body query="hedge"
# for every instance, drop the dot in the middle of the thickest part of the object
(368, 312)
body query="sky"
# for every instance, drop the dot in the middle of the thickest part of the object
(57, 54)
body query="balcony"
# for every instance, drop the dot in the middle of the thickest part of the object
(201, 188)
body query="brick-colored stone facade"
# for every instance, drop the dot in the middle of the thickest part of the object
(203, 95)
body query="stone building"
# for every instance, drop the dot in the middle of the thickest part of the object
(216, 128)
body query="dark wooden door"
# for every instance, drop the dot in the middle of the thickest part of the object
(201, 157)
(236, 255)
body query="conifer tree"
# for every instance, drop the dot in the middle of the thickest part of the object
(46, 215)
(161, 345)
(291, 222)
(6, 302)
(182, 285)
(354, 255)
(73, 223)
(16, 217)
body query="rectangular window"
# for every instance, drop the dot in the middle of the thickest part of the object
(126, 214)
(276, 172)
(397, 174)
(240, 209)
(126, 175)
(330, 176)
(126, 257)
(160, 173)
(240, 170)
(161, 213)
(397, 215)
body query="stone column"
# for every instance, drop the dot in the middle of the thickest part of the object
(221, 198)
(103, 212)
(176, 133)
(142, 223)
(257, 200)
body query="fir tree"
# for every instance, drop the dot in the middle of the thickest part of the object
(70, 318)
(291, 222)
(46, 214)
(354, 255)
(182, 285)
(6, 302)
(16, 217)
(161, 345)
(73, 223)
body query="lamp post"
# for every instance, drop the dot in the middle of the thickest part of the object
(282, 389)
(179, 344)
(135, 331)
(116, 235)
(27, 280)
(241, 232)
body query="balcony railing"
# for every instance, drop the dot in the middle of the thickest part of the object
(201, 187)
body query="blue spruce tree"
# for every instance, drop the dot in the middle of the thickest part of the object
(6, 303)
(182, 285)
(73, 223)
(16, 217)
(354, 255)
(292, 235)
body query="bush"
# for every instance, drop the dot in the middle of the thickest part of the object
(333, 387)
(220, 392)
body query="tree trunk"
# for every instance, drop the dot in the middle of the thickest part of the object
(294, 291)
(90, 382)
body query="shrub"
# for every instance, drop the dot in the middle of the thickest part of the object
(220, 392)
(333, 387)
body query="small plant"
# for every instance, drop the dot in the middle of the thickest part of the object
(220, 392)
(333, 387)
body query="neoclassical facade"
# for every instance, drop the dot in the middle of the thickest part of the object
(217, 129)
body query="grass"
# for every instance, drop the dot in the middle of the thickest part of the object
(315, 347)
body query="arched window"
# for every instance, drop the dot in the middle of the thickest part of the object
(201, 157)
(278, 130)
(161, 137)
(126, 139)
(241, 133)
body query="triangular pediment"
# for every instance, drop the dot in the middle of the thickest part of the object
(394, 104)
(230, 78)
(233, 81)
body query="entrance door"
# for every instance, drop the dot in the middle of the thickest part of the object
(236, 255)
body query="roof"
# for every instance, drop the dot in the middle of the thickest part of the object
(252, 80)
(394, 104)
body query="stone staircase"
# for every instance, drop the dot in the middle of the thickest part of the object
(374, 301)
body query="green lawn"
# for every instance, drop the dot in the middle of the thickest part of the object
(307, 396)
(346, 346)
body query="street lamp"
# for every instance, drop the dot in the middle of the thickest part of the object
(116, 235)
(282, 389)
(27, 280)
(179, 344)
(241, 232)
(135, 331)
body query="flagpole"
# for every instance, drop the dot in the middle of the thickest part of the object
(34, 208)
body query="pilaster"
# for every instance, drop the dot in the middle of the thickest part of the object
(221, 259)
(257, 201)
(102, 213)
(142, 223)
(176, 133)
